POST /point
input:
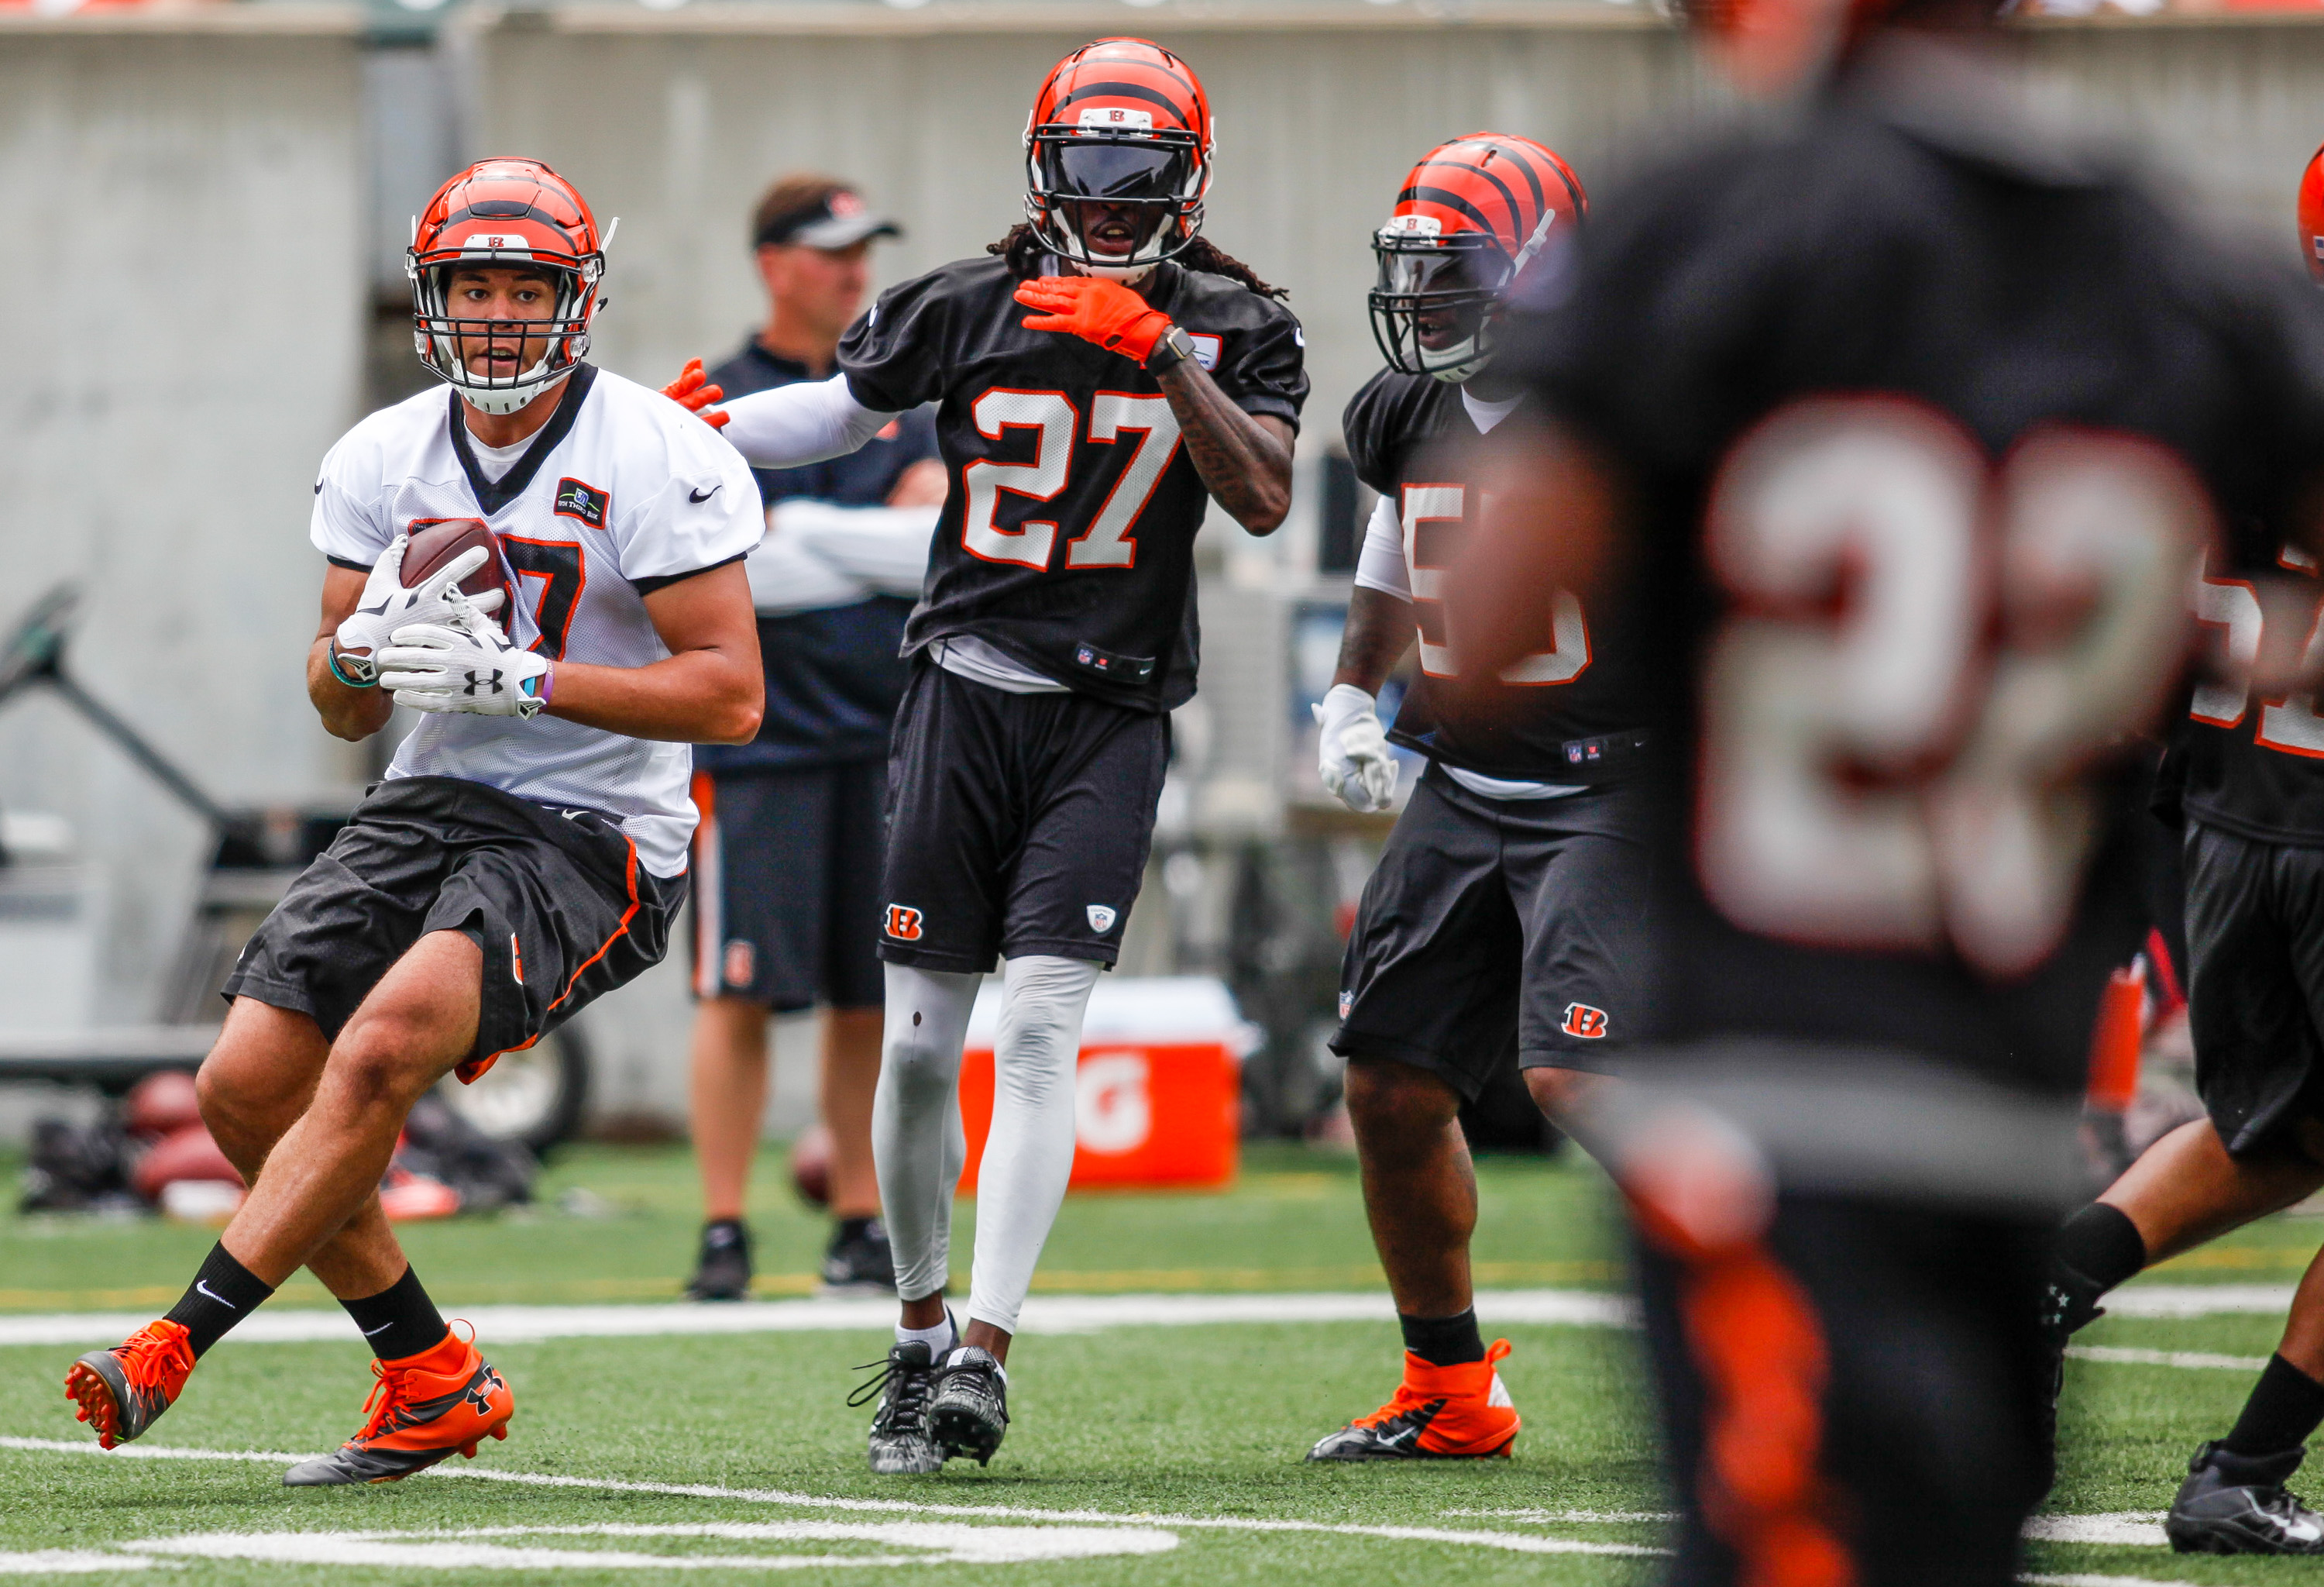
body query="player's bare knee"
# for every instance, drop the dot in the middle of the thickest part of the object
(382, 1062)
(1390, 1101)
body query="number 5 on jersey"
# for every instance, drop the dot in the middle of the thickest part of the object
(1432, 516)
(1108, 541)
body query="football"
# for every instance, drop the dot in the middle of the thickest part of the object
(435, 544)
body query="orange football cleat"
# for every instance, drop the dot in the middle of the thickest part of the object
(123, 1391)
(1439, 1413)
(424, 1407)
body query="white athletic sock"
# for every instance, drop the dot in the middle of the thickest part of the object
(1029, 1154)
(939, 1338)
(917, 1143)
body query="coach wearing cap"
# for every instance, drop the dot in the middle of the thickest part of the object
(787, 858)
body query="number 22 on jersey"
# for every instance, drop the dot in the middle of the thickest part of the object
(1429, 515)
(1922, 655)
(1108, 541)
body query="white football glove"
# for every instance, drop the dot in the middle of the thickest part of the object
(1353, 759)
(464, 666)
(386, 607)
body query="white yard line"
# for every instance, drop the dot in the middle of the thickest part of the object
(1055, 1313)
(2084, 1579)
(2197, 1360)
(2122, 1528)
(1510, 1541)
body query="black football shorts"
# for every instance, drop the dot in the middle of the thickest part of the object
(787, 885)
(1864, 1383)
(555, 898)
(1500, 925)
(2256, 986)
(1017, 824)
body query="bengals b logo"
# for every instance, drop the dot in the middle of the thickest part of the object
(904, 925)
(1585, 1021)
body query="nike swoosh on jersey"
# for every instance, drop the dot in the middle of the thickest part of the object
(698, 497)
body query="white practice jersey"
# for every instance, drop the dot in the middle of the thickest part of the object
(622, 492)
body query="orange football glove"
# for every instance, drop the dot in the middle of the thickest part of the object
(1096, 309)
(693, 392)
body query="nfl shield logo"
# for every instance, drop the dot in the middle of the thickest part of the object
(1100, 918)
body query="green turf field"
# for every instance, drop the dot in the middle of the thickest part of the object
(1161, 1454)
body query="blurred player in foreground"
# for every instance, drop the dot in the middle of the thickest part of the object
(787, 858)
(1908, 419)
(1504, 911)
(1103, 374)
(2254, 801)
(527, 848)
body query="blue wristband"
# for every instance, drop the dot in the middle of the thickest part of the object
(332, 656)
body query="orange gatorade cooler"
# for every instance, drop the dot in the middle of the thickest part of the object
(1159, 1099)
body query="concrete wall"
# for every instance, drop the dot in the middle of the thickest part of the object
(180, 346)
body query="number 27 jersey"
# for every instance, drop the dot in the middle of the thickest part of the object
(1066, 540)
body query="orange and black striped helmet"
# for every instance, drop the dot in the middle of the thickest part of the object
(1473, 213)
(1123, 124)
(502, 213)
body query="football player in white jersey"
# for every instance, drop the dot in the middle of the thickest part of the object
(527, 848)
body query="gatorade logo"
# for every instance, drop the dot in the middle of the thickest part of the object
(1585, 1021)
(904, 924)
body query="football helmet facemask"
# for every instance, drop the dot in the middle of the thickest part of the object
(505, 213)
(1473, 214)
(1118, 158)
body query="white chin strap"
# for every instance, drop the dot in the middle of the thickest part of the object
(508, 399)
(1127, 275)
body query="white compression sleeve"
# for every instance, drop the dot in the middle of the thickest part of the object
(885, 547)
(917, 1143)
(1029, 1154)
(804, 422)
(1379, 565)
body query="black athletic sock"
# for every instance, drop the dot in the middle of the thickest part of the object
(719, 1233)
(400, 1321)
(2286, 1404)
(1443, 1341)
(848, 1229)
(2103, 1245)
(222, 1294)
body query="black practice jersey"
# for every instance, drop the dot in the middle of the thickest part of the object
(2253, 765)
(1922, 435)
(1067, 539)
(1574, 714)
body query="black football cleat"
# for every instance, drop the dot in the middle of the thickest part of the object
(858, 1260)
(722, 1270)
(900, 1446)
(2238, 1504)
(969, 1413)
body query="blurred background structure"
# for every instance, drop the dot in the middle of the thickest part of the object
(208, 205)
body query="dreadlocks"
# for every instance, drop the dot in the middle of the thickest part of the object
(1023, 251)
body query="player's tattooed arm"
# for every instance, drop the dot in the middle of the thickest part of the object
(1244, 458)
(347, 713)
(1379, 631)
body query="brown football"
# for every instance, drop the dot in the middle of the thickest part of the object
(435, 544)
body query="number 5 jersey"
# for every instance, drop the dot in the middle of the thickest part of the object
(621, 492)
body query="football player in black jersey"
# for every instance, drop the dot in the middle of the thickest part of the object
(2248, 778)
(1100, 377)
(1911, 420)
(1502, 918)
